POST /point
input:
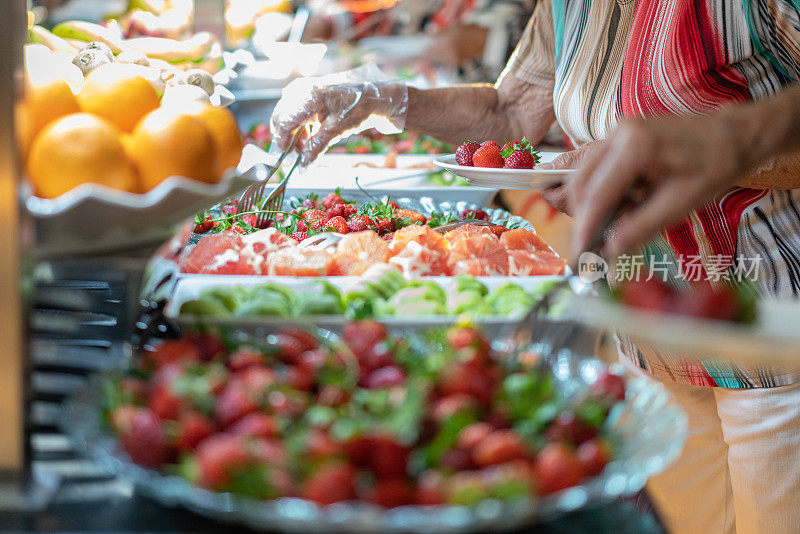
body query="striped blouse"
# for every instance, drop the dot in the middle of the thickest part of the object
(606, 60)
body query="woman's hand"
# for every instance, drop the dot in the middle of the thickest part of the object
(558, 196)
(680, 163)
(335, 111)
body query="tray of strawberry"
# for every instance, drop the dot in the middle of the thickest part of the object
(725, 321)
(306, 431)
(359, 234)
(512, 166)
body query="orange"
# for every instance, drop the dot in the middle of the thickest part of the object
(44, 102)
(117, 92)
(356, 252)
(171, 143)
(76, 149)
(222, 126)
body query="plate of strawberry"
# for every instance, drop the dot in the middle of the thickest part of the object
(510, 166)
(305, 430)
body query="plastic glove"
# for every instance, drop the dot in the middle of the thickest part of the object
(336, 106)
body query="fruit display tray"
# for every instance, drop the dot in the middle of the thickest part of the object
(648, 426)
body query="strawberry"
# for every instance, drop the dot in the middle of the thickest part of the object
(444, 408)
(431, 488)
(330, 483)
(289, 348)
(386, 225)
(348, 210)
(319, 225)
(489, 143)
(394, 205)
(499, 447)
(608, 386)
(230, 209)
(385, 377)
(569, 429)
(464, 153)
(498, 230)
(302, 226)
(142, 436)
(193, 427)
(520, 159)
(243, 358)
(249, 218)
(488, 156)
(593, 455)
(331, 200)
(299, 236)
(178, 350)
(415, 216)
(314, 215)
(509, 146)
(362, 336)
(337, 210)
(210, 346)
(306, 339)
(220, 457)
(255, 425)
(338, 225)
(204, 224)
(388, 236)
(387, 458)
(309, 203)
(238, 229)
(473, 214)
(463, 337)
(391, 492)
(472, 435)
(556, 468)
(232, 404)
(359, 223)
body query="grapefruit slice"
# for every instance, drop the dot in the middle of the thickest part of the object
(418, 260)
(479, 267)
(486, 247)
(521, 239)
(294, 261)
(422, 234)
(357, 252)
(259, 245)
(208, 248)
(525, 263)
(467, 230)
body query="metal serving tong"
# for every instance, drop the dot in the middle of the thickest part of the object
(253, 195)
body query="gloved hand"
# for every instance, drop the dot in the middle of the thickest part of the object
(336, 106)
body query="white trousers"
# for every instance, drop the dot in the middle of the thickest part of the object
(739, 471)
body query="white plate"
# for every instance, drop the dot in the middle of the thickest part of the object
(527, 179)
(93, 218)
(772, 339)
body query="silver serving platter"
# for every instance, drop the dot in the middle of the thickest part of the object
(648, 426)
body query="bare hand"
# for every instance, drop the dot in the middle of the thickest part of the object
(680, 162)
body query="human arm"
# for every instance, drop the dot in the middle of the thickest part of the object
(682, 162)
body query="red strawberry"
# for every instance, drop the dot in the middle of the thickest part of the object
(391, 492)
(348, 210)
(431, 488)
(488, 156)
(386, 225)
(385, 377)
(609, 386)
(498, 230)
(509, 146)
(472, 435)
(142, 436)
(221, 456)
(556, 468)
(474, 214)
(594, 455)
(309, 203)
(302, 226)
(338, 225)
(233, 403)
(331, 200)
(472, 377)
(463, 337)
(394, 205)
(464, 153)
(499, 447)
(210, 346)
(489, 143)
(193, 427)
(319, 224)
(569, 429)
(314, 215)
(243, 358)
(337, 210)
(387, 458)
(332, 482)
(520, 159)
(299, 236)
(362, 336)
(319, 445)
(255, 425)
(238, 229)
(444, 408)
(249, 218)
(229, 210)
(178, 350)
(205, 226)
(306, 339)
(388, 236)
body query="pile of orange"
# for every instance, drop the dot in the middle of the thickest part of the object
(114, 132)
